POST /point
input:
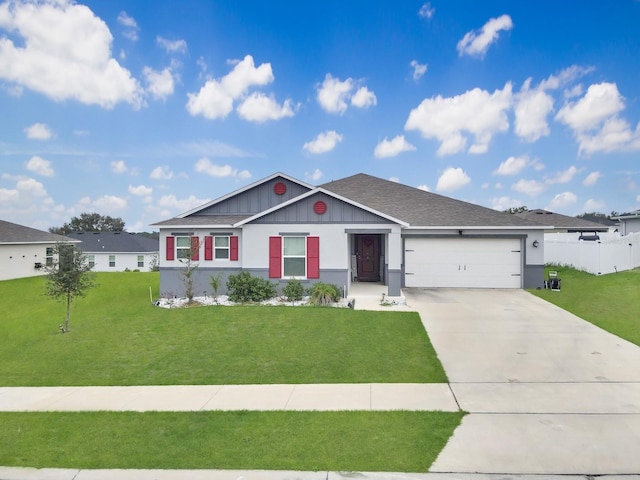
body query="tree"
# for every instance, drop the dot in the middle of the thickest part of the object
(189, 269)
(90, 222)
(68, 277)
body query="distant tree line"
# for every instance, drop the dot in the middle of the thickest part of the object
(90, 222)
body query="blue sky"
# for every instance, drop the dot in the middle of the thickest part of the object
(145, 109)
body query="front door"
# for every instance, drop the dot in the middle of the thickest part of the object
(368, 258)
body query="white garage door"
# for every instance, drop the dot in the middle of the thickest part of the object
(463, 262)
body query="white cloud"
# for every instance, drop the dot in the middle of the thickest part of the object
(130, 24)
(159, 84)
(564, 176)
(562, 200)
(391, 148)
(591, 179)
(418, 69)
(172, 46)
(423, 187)
(334, 94)
(615, 135)
(118, 166)
(215, 98)
(505, 203)
(426, 11)
(183, 205)
(63, 51)
(140, 190)
(476, 111)
(476, 43)
(38, 131)
(452, 179)
(531, 110)
(601, 101)
(315, 175)
(528, 187)
(259, 107)
(40, 166)
(512, 166)
(394, 179)
(593, 205)
(161, 173)
(109, 203)
(364, 98)
(205, 166)
(324, 142)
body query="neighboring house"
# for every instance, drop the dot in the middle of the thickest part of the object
(564, 224)
(629, 222)
(117, 251)
(25, 251)
(358, 229)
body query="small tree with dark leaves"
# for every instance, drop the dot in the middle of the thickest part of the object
(68, 277)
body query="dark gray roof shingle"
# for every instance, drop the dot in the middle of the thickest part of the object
(557, 220)
(14, 233)
(418, 207)
(121, 242)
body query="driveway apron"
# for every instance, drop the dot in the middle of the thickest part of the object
(546, 392)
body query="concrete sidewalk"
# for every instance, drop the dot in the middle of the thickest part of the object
(321, 397)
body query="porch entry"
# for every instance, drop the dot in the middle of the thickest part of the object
(367, 255)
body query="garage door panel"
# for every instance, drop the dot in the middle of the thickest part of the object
(463, 262)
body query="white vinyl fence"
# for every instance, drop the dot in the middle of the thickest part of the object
(612, 253)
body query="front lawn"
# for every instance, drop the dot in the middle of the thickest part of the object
(611, 301)
(118, 338)
(337, 441)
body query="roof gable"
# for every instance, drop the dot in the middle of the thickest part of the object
(251, 199)
(419, 208)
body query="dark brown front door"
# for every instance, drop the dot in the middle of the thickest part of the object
(368, 258)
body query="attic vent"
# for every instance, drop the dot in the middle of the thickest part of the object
(279, 188)
(320, 207)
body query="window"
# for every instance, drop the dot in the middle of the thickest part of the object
(140, 261)
(294, 254)
(112, 260)
(221, 247)
(49, 257)
(92, 260)
(183, 247)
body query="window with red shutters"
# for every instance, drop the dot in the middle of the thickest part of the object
(170, 248)
(275, 257)
(313, 257)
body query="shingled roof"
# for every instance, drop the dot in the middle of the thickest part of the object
(115, 242)
(418, 207)
(559, 221)
(12, 233)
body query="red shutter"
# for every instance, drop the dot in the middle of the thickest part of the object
(233, 249)
(208, 248)
(195, 248)
(170, 248)
(275, 257)
(313, 257)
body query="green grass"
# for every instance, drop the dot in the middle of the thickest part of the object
(118, 338)
(343, 441)
(612, 302)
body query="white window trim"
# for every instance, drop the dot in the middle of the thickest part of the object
(284, 239)
(180, 248)
(227, 248)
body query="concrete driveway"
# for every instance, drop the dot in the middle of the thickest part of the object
(547, 392)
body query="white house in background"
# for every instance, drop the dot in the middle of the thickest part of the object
(25, 251)
(629, 222)
(117, 251)
(356, 229)
(565, 224)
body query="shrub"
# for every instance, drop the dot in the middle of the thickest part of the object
(293, 290)
(244, 288)
(323, 294)
(214, 281)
